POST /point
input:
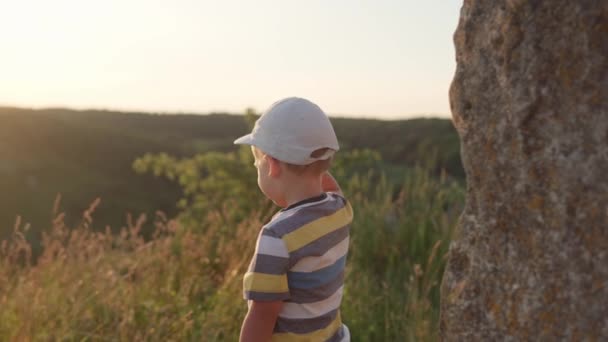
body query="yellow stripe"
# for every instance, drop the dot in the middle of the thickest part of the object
(318, 228)
(261, 282)
(319, 335)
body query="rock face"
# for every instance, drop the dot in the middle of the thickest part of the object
(530, 102)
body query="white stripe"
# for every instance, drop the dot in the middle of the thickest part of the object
(326, 199)
(271, 246)
(312, 310)
(281, 215)
(313, 263)
(346, 337)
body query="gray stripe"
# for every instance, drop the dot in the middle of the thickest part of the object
(268, 264)
(304, 326)
(265, 296)
(303, 216)
(339, 335)
(319, 246)
(317, 294)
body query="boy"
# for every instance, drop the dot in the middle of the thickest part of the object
(295, 279)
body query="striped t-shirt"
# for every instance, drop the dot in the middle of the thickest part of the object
(299, 259)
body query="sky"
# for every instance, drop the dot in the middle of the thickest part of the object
(382, 59)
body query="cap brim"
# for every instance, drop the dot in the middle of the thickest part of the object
(244, 140)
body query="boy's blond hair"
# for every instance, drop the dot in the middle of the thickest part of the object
(316, 168)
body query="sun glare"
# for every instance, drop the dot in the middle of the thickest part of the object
(366, 58)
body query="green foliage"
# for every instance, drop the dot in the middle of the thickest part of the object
(224, 184)
(432, 143)
(361, 162)
(212, 183)
(396, 257)
(183, 281)
(89, 154)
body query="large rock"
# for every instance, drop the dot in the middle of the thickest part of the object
(530, 102)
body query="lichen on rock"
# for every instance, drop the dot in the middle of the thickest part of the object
(530, 102)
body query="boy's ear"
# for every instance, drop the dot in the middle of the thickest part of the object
(274, 167)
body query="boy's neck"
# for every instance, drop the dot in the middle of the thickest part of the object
(298, 190)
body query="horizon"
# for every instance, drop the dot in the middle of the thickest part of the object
(185, 113)
(364, 59)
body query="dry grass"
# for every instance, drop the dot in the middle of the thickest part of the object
(180, 285)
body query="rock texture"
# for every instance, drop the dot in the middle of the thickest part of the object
(530, 102)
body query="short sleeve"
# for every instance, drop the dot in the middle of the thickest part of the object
(266, 279)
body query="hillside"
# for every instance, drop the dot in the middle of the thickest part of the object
(88, 154)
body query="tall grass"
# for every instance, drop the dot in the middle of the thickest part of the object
(185, 284)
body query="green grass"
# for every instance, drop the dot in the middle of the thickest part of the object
(185, 284)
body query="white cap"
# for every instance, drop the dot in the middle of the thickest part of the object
(290, 130)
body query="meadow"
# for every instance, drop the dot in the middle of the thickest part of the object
(181, 281)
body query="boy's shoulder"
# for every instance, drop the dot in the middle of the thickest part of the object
(330, 208)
